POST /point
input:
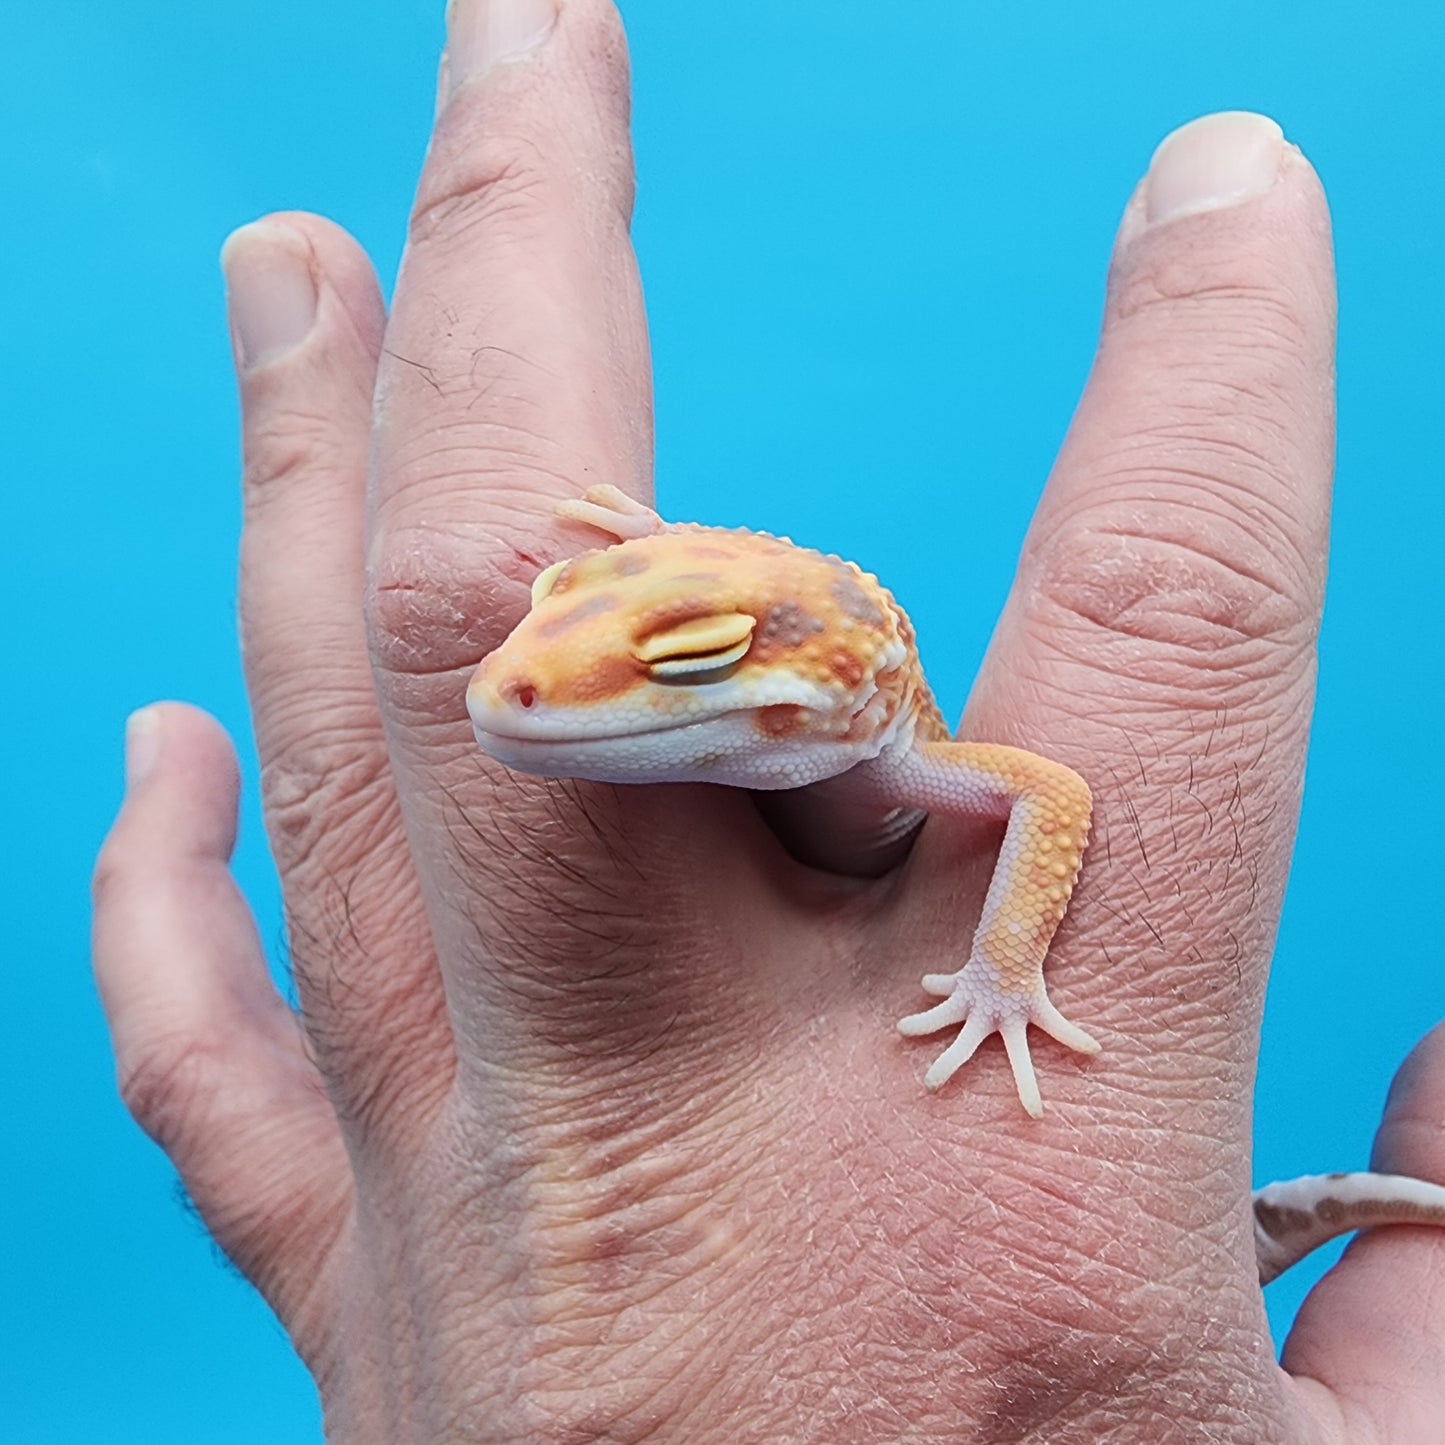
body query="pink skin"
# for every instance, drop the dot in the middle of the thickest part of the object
(594, 1125)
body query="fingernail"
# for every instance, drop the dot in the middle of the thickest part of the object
(1212, 163)
(480, 33)
(142, 744)
(270, 291)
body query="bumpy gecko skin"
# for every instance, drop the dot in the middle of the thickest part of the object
(694, 654)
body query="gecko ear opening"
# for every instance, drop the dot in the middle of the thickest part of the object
(699, 650)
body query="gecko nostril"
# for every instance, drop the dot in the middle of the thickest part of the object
(524, 695)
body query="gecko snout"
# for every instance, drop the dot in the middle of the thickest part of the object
(494, 697)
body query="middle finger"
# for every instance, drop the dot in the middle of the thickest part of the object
(515, 374)
(515, 368)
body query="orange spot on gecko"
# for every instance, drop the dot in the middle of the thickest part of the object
(846, 668)
(592, 607)
(606, 678)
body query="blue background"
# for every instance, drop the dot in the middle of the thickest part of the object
(874, 240)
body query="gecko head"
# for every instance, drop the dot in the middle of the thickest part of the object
(693, 657)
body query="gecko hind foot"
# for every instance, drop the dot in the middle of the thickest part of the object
(980, 1012)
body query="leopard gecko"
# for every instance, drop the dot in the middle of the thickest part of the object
(686, 653)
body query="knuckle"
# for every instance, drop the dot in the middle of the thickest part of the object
(1232, 359)
(492, 182)
(506, 154)
(1197, 539)
(285, 445)
(438, 601)
(1213, 595)
(172, 1086)
(111, 876)
(1230, 292)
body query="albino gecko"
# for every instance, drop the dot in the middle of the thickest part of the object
(696, 654)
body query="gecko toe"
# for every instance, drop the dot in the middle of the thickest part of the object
(1053, 1023)
(1015, 1041)
(953, 1010)
(958, 1053)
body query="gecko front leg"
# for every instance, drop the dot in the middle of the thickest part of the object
(1000, 989)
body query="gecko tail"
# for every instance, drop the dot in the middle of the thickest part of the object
(1296, 1216)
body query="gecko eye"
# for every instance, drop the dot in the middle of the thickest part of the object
(546, 580)
(698, 651)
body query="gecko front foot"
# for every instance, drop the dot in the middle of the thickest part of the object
(971, 997)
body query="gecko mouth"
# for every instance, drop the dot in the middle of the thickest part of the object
(486, 731)
(675, 751)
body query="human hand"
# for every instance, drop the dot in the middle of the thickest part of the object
(595, 1125)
